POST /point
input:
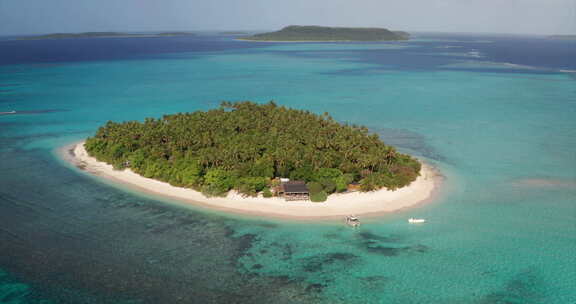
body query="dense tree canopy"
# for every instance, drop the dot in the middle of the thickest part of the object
(324, 33)
(245, 145)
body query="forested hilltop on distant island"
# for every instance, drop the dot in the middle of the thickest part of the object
(322, 33)
(245, 146)
(103, 35)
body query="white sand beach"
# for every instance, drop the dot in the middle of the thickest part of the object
(337, 205)
(299, 41)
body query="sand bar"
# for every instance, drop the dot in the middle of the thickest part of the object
(312, 41)
(337, 205)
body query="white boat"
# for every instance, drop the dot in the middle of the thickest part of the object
(11, 112)
(352, 221)
(416, 220)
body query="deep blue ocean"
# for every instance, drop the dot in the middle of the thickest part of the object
(496, 114)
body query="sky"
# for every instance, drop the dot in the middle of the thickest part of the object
(18, 17)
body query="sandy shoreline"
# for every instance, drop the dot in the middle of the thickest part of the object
(317, 41)
(337, 205)
(314, 41)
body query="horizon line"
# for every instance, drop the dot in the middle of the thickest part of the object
(267, 30)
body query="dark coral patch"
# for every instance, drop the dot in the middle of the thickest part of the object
(342, 256)
(393, 251)
(386, 251)
(374, 278)
(366, 235)
(523, 288)
(318, 262)
(315, 287)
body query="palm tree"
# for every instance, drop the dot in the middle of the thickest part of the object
(390, 156)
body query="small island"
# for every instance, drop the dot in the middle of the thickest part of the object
(103, 35)
(257, 158)
(297, 33)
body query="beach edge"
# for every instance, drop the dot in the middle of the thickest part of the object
(371, 204)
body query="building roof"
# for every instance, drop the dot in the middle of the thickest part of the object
(295, 187)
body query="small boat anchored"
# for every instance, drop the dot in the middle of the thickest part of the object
(10, 112)
(416, 220)
(352, 221)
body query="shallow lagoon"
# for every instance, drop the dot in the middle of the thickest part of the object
(502, 230)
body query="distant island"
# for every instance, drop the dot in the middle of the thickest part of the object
(250, 148)
(563, 37)
(322, 33)
(102, 35)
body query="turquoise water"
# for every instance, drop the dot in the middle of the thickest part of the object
(502, 230)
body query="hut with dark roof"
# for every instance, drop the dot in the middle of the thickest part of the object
(295, 191)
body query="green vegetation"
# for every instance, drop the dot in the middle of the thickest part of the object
(245, 145)
(404, 35)
(267, 193)
(322, 33)
(319, 196)
(327, 181)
